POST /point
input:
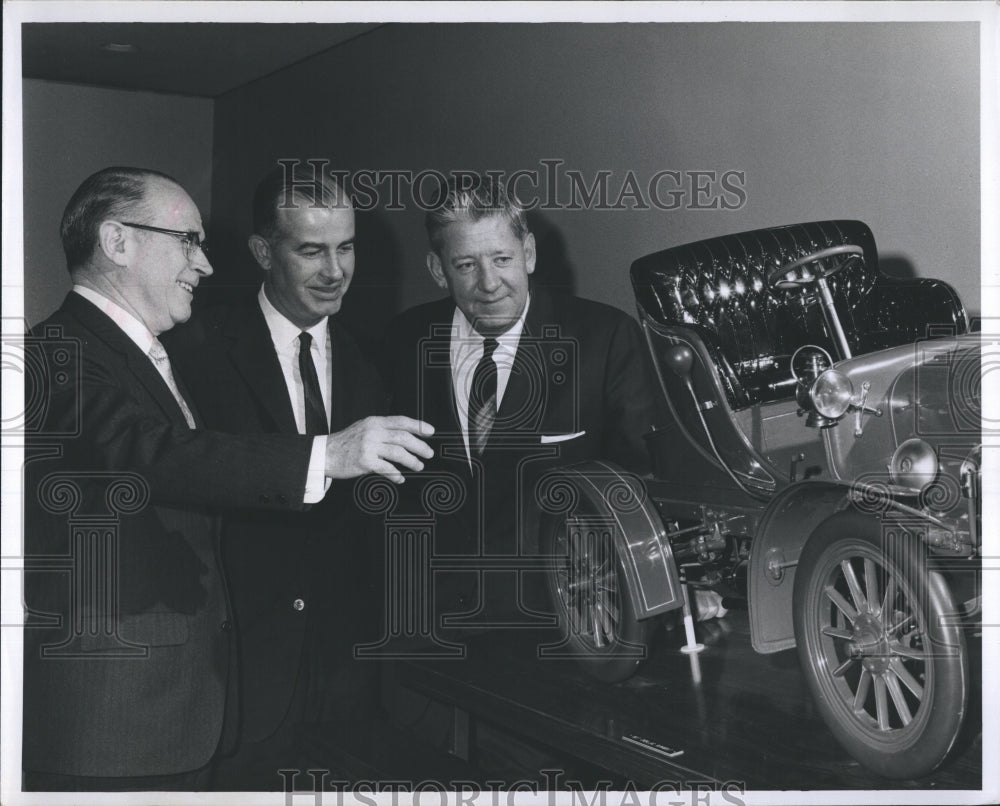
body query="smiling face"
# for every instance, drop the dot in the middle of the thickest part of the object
(162, 272)
(309, 261)
(485, 267)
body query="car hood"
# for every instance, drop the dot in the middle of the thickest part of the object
(929, 390)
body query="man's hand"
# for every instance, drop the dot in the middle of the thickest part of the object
(377, 445)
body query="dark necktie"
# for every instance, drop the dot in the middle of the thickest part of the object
(483, 399)
(316, 422)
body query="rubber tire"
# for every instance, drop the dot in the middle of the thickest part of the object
(900, 752)
(619, 659)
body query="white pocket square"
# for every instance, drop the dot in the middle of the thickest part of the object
(548, 440)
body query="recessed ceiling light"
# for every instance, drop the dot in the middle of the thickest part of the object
(119, 47)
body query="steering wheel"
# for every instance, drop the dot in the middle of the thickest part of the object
(778, 278)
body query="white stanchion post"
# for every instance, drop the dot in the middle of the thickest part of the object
(692, 644)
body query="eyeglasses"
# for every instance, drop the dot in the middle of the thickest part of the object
(191, 240)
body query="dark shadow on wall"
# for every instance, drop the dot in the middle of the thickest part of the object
(896, 265)
(236, 274)
(374, 296)
(553, 268)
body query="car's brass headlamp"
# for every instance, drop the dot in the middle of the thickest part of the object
(832, 394)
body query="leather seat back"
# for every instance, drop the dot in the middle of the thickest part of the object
(717, 290)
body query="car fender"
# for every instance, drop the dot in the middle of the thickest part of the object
(789, 520)
(602, 495)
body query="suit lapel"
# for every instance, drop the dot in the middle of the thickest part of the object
(138, 363)
(435, 388)
(253, 355)
(524, 399)
(439, 393)
(341, 382)
(434, 391)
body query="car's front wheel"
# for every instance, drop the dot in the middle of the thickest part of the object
(884, 656)
(595, 613)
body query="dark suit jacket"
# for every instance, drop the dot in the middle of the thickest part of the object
(580, 369)
(129, 636)
(321, 557)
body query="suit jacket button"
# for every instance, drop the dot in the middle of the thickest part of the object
(263, 499)
(282, 500)
(227, 625)
(299, 604)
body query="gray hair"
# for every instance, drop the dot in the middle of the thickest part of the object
(485, 197)
(112, 193)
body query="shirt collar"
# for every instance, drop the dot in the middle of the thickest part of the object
(132, 327)
(285, 333)
(465, 333)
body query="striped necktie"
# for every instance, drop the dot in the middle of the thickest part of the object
(483, 399)
(159, 356)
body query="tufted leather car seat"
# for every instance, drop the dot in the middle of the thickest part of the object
(716, 290)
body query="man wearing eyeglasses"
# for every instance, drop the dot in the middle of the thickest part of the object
(129, 639)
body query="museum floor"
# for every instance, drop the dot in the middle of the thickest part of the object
(725, 717)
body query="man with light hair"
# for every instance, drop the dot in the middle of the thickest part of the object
(524, 380)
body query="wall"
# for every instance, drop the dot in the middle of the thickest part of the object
(70, 131)
(872, 121)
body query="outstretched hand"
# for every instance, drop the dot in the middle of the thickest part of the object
(378, 445)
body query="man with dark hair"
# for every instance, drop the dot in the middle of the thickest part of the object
(516, 380)
(282, 363)
(129, 635)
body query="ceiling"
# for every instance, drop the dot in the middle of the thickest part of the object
(202, 59)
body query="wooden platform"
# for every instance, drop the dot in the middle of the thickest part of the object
(748, 720)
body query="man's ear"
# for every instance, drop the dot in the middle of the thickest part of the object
(436, 269)
(529, 252)
(113, 242)
(261, 251)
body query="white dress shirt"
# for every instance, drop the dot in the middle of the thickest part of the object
(143, 339)
(467, 349)
(285, 337)
(130, 326)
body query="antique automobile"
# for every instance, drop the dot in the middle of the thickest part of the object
(820, 457)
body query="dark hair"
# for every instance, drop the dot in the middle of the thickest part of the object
(111, 193)
(482, 198)
(280, 187)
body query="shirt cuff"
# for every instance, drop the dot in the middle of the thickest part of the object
(316, 481)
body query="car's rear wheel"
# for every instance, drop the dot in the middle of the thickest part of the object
(587, 585)
(878, 640)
